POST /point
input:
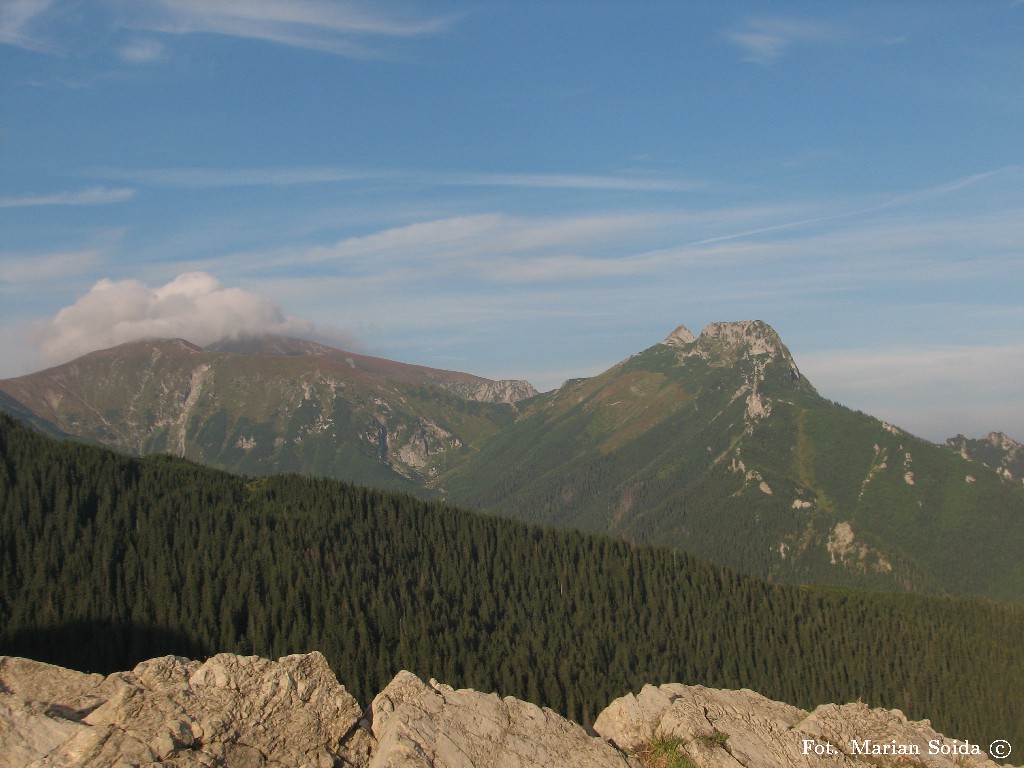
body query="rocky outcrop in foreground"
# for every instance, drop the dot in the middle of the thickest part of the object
(244, 712)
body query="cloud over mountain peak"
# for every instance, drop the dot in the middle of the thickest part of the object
(194, 305)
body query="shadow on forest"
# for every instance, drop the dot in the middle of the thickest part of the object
(99, 646)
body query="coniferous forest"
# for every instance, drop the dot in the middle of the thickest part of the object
(106, 560)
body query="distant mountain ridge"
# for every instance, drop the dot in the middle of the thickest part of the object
(465, 385)
(268, 404)
(996, 451)
(714, 443)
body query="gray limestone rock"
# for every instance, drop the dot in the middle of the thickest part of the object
(248, 712)
(680, 337)
(436, 726)
(727, 729)
(230, 711)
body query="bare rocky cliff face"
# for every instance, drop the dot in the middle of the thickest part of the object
(726, 343)
(243, 712)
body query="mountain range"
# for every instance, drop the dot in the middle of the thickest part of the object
(715, 444)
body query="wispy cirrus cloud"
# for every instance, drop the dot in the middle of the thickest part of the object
(496, 246)
(18, 24)
(351, 29)
(570, 181)
(952, 186)
(225, 178)
(91, 196)
(344, 29)
(766, 40)
(212, 178)
(215, 178)
(824, 246)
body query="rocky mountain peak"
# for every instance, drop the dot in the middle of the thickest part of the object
(680, 337)
(727, 343)
(1003, 441)
(756, 336)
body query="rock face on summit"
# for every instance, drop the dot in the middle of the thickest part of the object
(248, 712)
(724, 344)
(245, 712)
(729, 729)
(416, 724)
(230, 711)
(680, 337)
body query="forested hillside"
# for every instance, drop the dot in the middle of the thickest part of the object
(718, 445)
(106, 560)
(715, 444)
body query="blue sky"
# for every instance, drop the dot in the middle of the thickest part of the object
(527, 189)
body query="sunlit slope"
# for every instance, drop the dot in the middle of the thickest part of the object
(278, 405)
(715, 444)
(719, 445)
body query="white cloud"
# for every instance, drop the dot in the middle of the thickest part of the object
(515, 249)
(193, 306)
(818, 245)
(352, 29)
(450, 233)
(212, 178)
(331, 27)
(570, 181)
(91, 196)
(765, 40)
(17, 20)
(952, 186)
(493, 246)
(206, 178)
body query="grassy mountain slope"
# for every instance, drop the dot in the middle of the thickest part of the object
(270, 405)
(106, 560)
(718, 445)
(715, 444)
